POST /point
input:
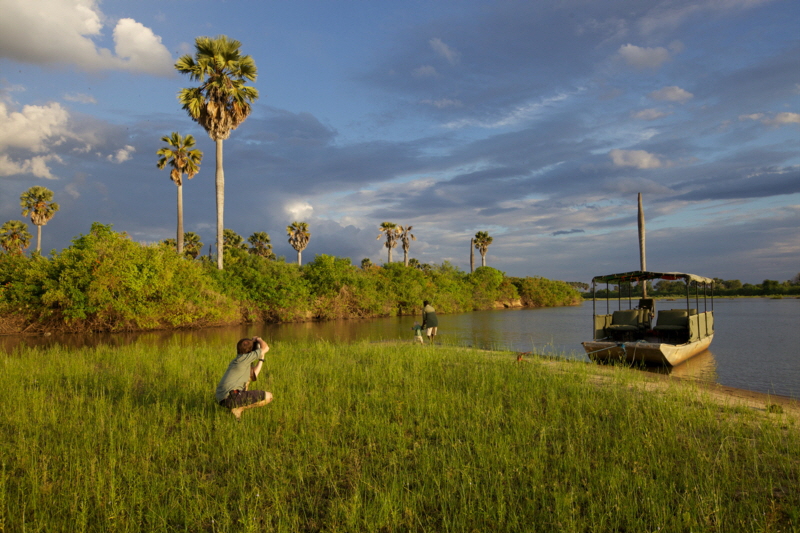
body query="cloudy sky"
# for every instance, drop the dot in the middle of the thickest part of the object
(536, 121)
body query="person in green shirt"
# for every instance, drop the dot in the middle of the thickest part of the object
(232, 390)
(429, 320)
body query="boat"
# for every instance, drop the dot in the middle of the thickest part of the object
(641, 334)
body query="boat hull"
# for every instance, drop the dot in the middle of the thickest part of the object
(648, 353)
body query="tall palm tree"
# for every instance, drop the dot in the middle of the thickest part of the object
(391, 232)
(184, 159)
(482, 242)
(192, 246)
(14, 236)
(298, 237)
(405, 237)
(260, 245)
(232, 240)
(38, 202)
(221, 103)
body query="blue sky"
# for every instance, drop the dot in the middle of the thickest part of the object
(538, 122)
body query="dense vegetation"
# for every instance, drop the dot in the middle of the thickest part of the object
(106, 282)
(379, 437)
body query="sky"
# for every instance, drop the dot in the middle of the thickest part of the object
(536, 121)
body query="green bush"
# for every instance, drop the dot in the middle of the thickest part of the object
(543, 292)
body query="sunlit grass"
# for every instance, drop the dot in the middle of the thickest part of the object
(378, 437)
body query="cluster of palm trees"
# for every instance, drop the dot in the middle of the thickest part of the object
(393, 233)
(220, 104)
(38, 203)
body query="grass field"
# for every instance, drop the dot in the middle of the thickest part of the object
(379, 437)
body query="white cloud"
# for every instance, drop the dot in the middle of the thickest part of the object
(648, 114)
(783, 118)
(752, 116)
(442, 103)
(36, 166)
(80, 98)
(63, 31)
(635, 158)
(141, 48)
(639, 57)
(450, 54)
(425, 71)
(298, 211)
(32, 129)
(671, 94)
(515, 116)
(779, 119)
(122, 155)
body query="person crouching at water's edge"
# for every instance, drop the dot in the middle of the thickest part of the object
(232, 390)
(429, 321)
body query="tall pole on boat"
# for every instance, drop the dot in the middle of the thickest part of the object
(642, 255)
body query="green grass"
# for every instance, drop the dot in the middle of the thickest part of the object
(377, 437)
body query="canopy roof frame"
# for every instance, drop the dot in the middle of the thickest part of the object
(643, 275)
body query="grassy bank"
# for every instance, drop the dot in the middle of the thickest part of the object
(379, 437)
(107, 282)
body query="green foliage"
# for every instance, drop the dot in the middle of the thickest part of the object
(543, 292)
(272, 291)
(107, 282)
(104, 281)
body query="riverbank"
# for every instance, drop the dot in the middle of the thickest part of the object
(389, 436)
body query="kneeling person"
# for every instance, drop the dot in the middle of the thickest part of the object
(232, 390)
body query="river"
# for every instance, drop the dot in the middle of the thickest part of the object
(755, 345)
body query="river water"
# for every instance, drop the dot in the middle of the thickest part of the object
(756, 344)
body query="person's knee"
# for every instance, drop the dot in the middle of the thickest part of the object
(267, 396)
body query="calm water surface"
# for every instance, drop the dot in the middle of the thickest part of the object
(755, 346)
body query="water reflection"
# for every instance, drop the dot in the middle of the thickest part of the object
(701, 367)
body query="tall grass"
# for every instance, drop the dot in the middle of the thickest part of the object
(377, 437)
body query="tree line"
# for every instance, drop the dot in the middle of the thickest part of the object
(105, 281)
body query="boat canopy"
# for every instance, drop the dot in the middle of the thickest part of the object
(642, 275)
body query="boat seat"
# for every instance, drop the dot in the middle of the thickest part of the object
(625, 324)
(672, 323)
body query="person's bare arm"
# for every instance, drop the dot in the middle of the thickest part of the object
(254, 371)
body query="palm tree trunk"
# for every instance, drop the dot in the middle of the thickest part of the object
(220, 182)
(483, 258)
(405, 257)
(299, 258)
(390, 255)
(39, 238)
(179, 239)
(472, 255)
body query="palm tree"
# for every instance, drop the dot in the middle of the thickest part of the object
(298, 237)
(184, 160)
(14, 236)
(232, 240)
(366, 263)
(405, 238)
(37, 202)
(391, 231)
(260, 245)
(221, 103)
(191, 244)
(482, 242)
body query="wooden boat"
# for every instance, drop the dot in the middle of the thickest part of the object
(641, 334)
